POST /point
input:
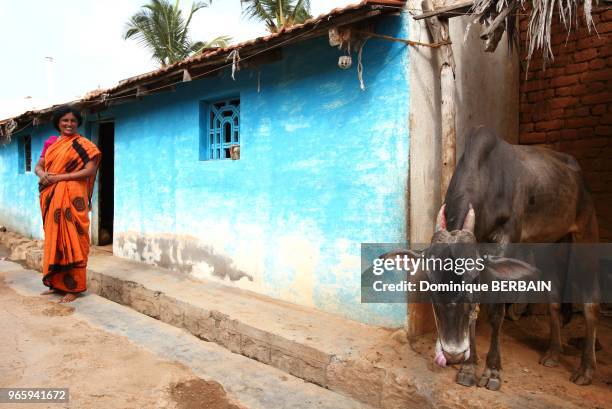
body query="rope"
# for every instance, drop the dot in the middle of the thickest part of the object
(235, 57)
(360, 65)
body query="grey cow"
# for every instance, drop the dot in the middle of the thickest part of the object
(503, 193)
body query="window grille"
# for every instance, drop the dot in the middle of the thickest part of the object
(223, 129)
(27, 142)
(24, 149)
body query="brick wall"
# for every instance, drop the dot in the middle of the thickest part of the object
(568, 106)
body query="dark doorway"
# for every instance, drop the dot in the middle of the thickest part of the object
(106, 183)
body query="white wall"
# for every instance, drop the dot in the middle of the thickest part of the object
(487, 94)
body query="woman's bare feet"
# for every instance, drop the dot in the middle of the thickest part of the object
(69, 297)
(47, 292)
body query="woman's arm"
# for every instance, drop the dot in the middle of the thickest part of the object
(39, 170)
(88, 171)
(40, 167)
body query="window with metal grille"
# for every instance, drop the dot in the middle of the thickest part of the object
(24, 146)
(27, 140)
(222, 130)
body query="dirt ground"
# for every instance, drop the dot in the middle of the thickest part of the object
(43, 345)
(524, 379)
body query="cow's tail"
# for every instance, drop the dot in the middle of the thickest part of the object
(566, 313)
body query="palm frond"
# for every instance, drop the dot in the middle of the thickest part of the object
(161, 27)
(500, 15)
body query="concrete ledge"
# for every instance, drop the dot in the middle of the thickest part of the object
(318, 347)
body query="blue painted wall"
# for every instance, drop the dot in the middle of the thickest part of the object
(323, 168)
(19, 205)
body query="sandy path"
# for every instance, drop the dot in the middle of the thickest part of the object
(43, 345)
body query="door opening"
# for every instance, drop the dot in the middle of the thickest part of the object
(106, 183)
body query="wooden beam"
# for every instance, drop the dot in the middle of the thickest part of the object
(420, 316)
(454, 10)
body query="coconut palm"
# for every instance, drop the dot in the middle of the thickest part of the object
(277, 14)
(160, 26)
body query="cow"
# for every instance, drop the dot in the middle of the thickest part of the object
(503, 193)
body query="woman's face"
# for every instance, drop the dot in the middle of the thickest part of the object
(68, 124)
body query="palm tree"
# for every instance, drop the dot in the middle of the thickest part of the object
(277, 14)
(160, 26)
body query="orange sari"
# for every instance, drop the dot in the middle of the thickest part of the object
(65, 212)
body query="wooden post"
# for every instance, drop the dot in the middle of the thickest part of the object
(438, 29)
(420, 316)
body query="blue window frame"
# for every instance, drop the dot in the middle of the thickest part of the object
(222, 129)
(24, 148)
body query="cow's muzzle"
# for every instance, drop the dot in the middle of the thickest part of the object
(444, 357)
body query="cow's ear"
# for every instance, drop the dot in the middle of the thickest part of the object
(503, 268)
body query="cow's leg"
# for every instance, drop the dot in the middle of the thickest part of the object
(467, 374)
(584, 374)
(491, 377)
(588, 233)
(555, 348)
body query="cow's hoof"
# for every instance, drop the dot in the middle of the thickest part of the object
(550, 359)
(466, 375)
(490, 379)
(582, 376)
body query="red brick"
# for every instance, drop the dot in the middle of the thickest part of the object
(533, 137)
(525, 117)
(603, 130)
(593, 165)
(524, 128)
(609, 61)
(569, 134)
(604, 27)
(606, 15)
(585, 55)
(592, 41)
(581, 122)
(554, 72)
(597, 64)
(577, 68)
(563, 102)
(536, 85)
(585, 132)
(598, 110)
(572, 90)
(606, 119)
(564, 80)
(553, 136)
(526, 107)
(603, 97)
(605, 52)
(595, 87)
(583, 111)
(549, 125)
(599, 75)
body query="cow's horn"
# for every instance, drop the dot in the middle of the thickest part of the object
(441, 220)
(470, 220)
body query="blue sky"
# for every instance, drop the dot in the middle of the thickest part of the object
(84, 39)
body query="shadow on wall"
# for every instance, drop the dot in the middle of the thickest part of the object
(177, 253)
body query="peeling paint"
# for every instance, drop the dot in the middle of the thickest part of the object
(163, 251)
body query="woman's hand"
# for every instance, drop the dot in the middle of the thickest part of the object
(47, 179)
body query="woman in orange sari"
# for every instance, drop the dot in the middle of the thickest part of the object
(67, 170)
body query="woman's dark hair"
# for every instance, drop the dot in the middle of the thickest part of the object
(60, 112)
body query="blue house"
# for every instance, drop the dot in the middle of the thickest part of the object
(264, 165)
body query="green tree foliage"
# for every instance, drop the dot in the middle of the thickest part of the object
(277, 14)
(161, 27)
